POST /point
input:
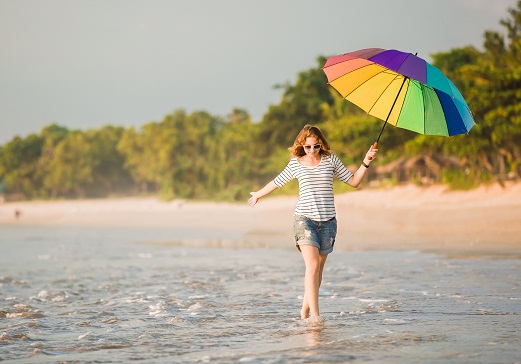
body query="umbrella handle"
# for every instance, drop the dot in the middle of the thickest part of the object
(374, 146)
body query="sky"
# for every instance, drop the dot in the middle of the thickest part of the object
(85, 64)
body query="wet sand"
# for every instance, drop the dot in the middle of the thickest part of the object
(404, 217)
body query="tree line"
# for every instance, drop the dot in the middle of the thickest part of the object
(202, 156)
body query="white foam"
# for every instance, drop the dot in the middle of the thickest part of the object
(247, 359)
(84, 336)
(158, 309)
(43, 294)
(194, 309)
(395, 321)
(315, 321)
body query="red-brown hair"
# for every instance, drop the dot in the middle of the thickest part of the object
(297, 149)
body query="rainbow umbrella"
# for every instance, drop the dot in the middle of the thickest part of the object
(402, 89)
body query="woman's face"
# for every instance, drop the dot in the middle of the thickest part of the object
(312, 146)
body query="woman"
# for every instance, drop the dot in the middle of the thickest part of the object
(314, 225)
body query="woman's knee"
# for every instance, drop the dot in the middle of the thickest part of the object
(313, 266)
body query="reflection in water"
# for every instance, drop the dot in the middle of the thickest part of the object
(314, 336)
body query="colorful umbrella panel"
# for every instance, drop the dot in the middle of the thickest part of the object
(402, 89)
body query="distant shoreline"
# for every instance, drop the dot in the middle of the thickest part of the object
(403, 217)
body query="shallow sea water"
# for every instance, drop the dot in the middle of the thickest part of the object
(109, 295)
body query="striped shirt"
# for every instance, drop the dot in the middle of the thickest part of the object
(316, 200)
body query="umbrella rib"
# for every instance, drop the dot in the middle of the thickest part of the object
(392, 107)
(379, 97)
(376, 74)
(397, 95)
(422, 86)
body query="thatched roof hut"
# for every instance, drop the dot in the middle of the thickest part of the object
(425, 168)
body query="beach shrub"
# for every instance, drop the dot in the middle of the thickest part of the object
(458, 179)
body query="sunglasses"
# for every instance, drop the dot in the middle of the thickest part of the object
(316, 146)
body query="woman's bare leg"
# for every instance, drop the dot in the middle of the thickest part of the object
(312, 280)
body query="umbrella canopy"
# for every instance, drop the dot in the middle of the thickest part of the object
(402, 89)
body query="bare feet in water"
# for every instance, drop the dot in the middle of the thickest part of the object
(315, 321)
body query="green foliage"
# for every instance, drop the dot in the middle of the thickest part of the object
(18, 165)
(458, 179)
(108, 174)
(200, 156)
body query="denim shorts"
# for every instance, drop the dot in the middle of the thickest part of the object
(320, 234)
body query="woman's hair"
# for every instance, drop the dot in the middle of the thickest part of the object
(297, 150)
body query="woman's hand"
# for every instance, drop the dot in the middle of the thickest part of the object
(253, 199)
(269, 188)
(370, 155)
(358, 176)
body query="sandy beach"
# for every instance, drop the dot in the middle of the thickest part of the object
(403, 217)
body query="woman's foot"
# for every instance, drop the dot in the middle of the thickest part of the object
(315, 321)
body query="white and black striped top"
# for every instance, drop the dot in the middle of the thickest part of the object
(316, 200)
